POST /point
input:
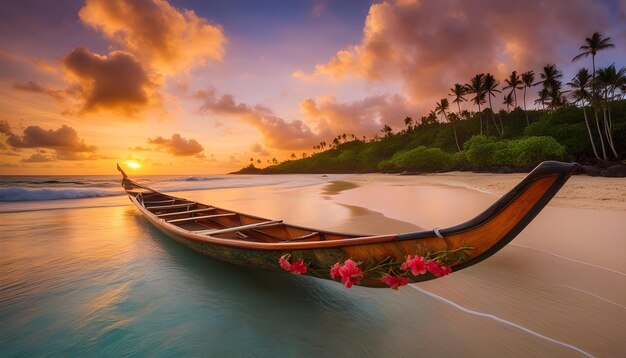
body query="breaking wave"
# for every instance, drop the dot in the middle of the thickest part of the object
(23, 194)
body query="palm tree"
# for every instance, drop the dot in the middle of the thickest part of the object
(514, 83)
(476, 86)
(457, 92)
(441, 108)
(408, 121)
(491, 86)
(528, 78)
(387, 130)
(508, 101)
(542, 97)
(580, 84)
(550, 80)
(592, 45)
(610, 79)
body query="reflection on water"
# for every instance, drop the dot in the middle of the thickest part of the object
(104, 281)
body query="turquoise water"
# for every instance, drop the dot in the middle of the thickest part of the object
(97, 279)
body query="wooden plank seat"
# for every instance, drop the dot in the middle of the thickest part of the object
(185, 212)
(303, 237)
(159, 201)
(174, 206)
(238, 228)
(199, 218)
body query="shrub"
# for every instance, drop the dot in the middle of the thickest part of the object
(482, 151)
(420, 159)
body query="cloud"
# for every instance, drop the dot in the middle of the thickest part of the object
(319, 8)
(38, 158)
(32, 86)
(430, 45)
(139, 149)
(257, 148)
(44, 66)
(363, 118)
(277, 132)
(116, 81)
(178, 145)
(172, 40)
(5, 128)
(65, 143)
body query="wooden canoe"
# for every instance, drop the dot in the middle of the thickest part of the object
(258, 242)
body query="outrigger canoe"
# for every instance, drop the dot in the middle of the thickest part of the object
(365, 260)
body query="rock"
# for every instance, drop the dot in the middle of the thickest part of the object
(602, 164)
(591, 170)
(615, 171)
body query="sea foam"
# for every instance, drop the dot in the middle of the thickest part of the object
(24, 194)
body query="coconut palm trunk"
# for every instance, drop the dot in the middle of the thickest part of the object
(607, 131)
(456, 138)
(493, 117)
(600, 134)
(593, 145)
(526, 110)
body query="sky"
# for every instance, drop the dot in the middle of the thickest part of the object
(201, 87)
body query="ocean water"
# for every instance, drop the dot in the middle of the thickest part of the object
(82, 273)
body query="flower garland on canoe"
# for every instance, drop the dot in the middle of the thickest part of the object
(392, 273)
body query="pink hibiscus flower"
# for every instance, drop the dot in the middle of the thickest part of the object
(295, 268)
(334, 271)
(298, 267)
(437, 269)
(284, 263)
(395, 281)
(350, 273)
(417, 265)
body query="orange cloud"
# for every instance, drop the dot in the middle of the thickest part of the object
(178, 146)
(363, 118)
(65, 143)
(277, 132)
(38, 158)
(430, 45)
(257, 148)
(116, 81)
(5, 128)
(32, 86)
(169, 39)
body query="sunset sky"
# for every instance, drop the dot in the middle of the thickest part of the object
(189, 87)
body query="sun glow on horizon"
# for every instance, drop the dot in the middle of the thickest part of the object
(132, 164)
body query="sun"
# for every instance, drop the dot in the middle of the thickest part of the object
(132, 164)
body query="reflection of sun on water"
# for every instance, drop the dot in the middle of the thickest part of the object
(132, 164)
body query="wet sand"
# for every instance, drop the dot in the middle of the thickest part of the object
(563, 278)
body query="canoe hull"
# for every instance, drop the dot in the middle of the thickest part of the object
(485, 235)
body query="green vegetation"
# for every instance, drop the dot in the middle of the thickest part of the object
(585, 123)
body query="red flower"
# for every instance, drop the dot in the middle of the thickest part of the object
(350, 273)
(284, 263)
(298, 267)
(438, 269)
(417, 265)
(295, 268)
(334, 271)
(395, 281)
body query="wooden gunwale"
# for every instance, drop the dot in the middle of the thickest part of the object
(515, 210)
